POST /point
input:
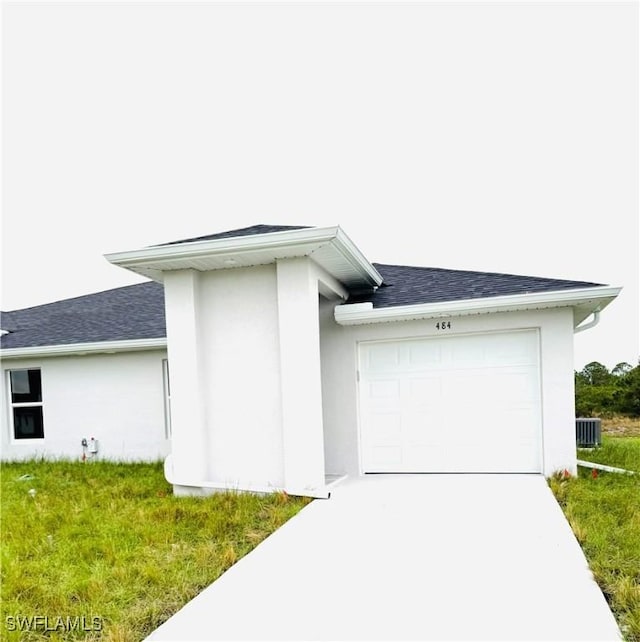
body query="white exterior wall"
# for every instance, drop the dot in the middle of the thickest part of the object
(186, 374)
(241, 386)
(301, 387)
(222, 329)
(558, 395)
(116, 398)
(340, 388)
(246, 397)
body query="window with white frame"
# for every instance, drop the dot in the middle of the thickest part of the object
(26, 403)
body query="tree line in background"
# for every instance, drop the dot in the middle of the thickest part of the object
(601, 393)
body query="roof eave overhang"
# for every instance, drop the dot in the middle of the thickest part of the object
(330, 247)
(80, 349)
(584, 302)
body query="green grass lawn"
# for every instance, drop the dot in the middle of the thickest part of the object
(622, 452)
(604, 512)
(109, 541)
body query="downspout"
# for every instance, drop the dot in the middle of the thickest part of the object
(594, 322)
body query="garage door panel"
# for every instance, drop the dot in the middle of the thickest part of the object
(455, 404)
(421, 428)
(462, 390)
(432, 457)
(386, 429)
(386, 458)
(516, 385)
(523, 422)
(425, 354)
(488, 387)
(467, 428)
(382, 357)
(424, 390)
(467, 352)
(384, 390)
(514, 348)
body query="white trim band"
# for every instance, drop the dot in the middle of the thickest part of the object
(128, 345)
(362, 313)
(152, 261)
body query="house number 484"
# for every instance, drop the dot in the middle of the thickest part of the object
(443, 325)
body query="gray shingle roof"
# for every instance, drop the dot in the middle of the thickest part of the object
(405, 285)
(130, 312)
(137, 311)
(243, 231)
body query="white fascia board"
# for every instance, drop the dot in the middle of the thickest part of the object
(362, 313)
(96, 347)
(351, 253)
(288, 243)
(234, 244)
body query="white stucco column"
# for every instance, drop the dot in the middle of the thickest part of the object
(301, 390)
(188, 427)
(558, 394)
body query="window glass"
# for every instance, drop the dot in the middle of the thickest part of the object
(26, 402)
(26, 386)
(27, 422)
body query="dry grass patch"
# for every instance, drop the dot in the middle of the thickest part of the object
(619, 426)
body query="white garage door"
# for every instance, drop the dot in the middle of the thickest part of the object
(456, 404)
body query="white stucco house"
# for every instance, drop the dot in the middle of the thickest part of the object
(279, 357)
(92, 366)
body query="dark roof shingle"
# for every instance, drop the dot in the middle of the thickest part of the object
(243, 231)
(137, 311)
(130, 312)
(406, 285)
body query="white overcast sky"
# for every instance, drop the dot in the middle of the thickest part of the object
(484, 136)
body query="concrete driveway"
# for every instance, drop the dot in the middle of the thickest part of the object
(410, 557)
